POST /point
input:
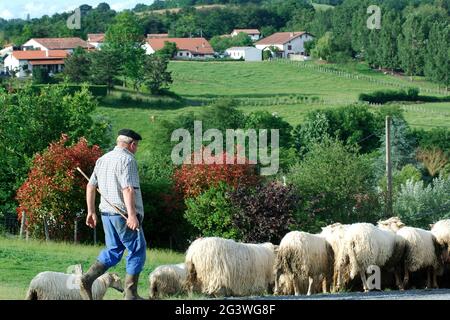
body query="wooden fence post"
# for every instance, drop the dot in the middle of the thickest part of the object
(47, 237)
(22, 225)
(75, 231)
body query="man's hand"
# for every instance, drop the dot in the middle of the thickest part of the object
(132, 222)
(91, 220)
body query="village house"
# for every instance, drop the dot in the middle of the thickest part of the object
(96, 39)
(254, 34)
(187, 48)
(287, 43)
(21, 63)
(245, 53)
(68, 44)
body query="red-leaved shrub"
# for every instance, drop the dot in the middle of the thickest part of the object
(55, 191)
(193, 179)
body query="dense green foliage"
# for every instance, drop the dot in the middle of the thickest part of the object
(31, 119)
(335, 183)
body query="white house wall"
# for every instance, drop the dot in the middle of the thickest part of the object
(34, 44)
(297, 45)
(12, 63)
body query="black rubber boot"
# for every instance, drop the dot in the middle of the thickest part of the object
(131, 284)
(95, 271)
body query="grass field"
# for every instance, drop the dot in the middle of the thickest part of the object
(273, 87)
(20, 261)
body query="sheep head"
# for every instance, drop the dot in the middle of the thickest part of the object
(393, 224)
(116, 282)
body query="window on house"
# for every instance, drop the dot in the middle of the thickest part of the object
(180, 54)
(289, 47)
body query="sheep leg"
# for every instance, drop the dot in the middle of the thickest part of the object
(325, 285)
(311, 281)
(334, 282)
(435, 284)
(277, 279)
(428, 278)
(362, 274)
(338, 280)
(398, 282)
(296, 286)
(406, 278)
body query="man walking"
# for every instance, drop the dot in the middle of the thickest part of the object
(116, 176)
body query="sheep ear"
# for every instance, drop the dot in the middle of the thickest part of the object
(431, 225)
(78, 269)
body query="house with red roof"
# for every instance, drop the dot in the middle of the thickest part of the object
(254, 34)
(286, 43)
(21, 63)
(68, 44)
(187, 48)
(96, 39)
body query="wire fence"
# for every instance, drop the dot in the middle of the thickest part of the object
(9, 224)
(358, 76)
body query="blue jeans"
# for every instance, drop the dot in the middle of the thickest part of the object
(119, 237)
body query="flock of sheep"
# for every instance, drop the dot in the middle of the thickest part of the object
(303, 263)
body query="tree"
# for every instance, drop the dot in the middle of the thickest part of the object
(155, 75)
(437, 65)
(168, 51)
(125, 38)
(353, 125)
(388, 40)
(40, 75)
(105, 66)
(324, 48)
(77, 67)
(335, 184)
(220, 43)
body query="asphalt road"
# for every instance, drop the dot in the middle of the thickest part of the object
(436, 294)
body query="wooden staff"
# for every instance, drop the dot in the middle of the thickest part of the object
(118, 210)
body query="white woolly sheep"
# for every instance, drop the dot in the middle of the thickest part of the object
(166, 280)
(422, 251)
(223, 267)
(50, 285)
(441, 230)
(364, 245)
(303, 257)
(334, 235)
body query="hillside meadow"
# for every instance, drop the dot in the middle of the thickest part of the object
(284, 88)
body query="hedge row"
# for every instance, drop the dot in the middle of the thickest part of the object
(96, 90)
(411, 94)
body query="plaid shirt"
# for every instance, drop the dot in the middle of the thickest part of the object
(113, 172)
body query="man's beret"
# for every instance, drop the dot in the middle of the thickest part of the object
(130, 133)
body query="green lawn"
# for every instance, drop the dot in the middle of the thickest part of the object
(262, 80)
(20, 261)
(274, 87)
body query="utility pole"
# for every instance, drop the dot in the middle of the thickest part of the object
(388, 168)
